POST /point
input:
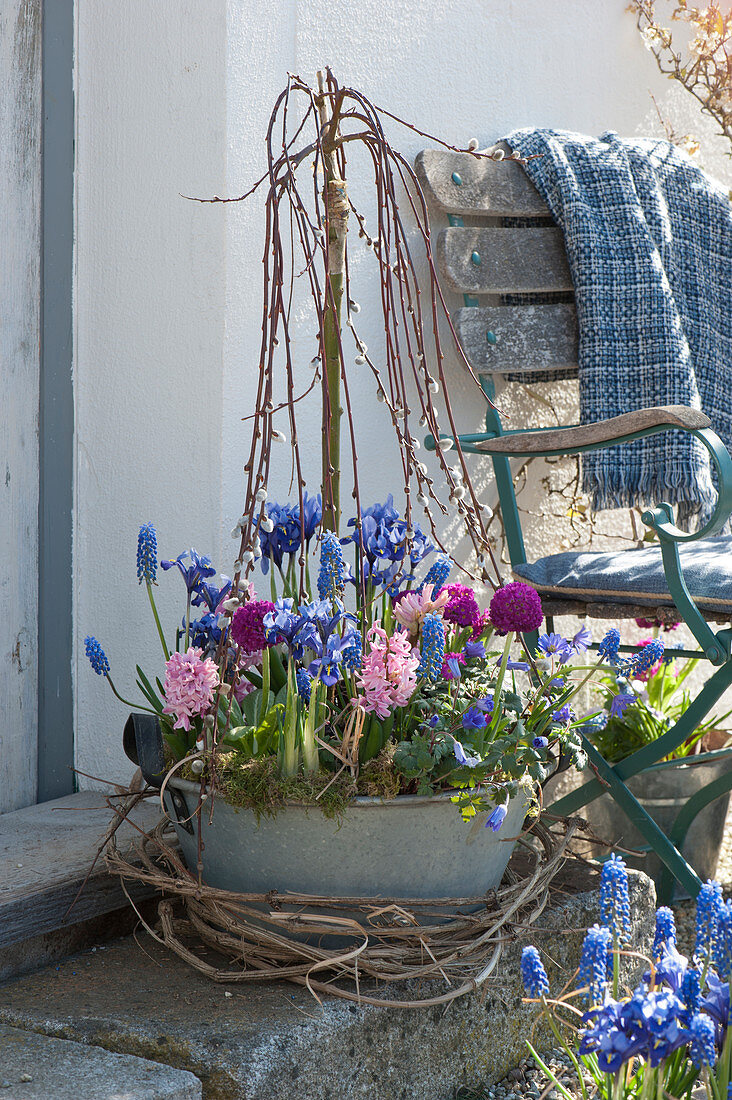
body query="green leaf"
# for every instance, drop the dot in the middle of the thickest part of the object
(148, 691)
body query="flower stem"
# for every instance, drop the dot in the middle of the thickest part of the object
(127, 703)
(499, 681)
(157, 622)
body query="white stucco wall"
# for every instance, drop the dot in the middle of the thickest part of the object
(174, 98)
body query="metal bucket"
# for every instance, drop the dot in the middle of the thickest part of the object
(409, 846)
(662, 791)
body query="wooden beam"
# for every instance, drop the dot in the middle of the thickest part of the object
(487, 187)
(504, 260)
(525, 338)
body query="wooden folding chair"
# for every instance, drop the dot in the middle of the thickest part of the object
(519, 321)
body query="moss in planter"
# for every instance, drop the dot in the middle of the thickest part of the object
(378, 778)
(257, 785)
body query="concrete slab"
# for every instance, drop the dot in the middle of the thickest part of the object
(45, 854)
(271, 1041)
(36, 1067)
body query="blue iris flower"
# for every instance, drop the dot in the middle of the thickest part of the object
(289, 527)
(383, 542)
(204, 633)
(210, 595)
(200, 568)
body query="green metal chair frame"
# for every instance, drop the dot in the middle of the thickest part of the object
(715, 646)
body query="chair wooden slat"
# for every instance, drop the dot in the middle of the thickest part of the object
(488, 187)
(504, 261)
(527, 338)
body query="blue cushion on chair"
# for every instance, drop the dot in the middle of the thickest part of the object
(637, 575)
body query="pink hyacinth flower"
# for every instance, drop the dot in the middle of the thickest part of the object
(412, 607)
(190, 683)
(388, 675)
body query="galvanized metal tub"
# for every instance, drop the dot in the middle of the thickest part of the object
(410, 846)
(662, 791)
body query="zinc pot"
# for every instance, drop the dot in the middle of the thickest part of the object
(662, 791)
(409, 846)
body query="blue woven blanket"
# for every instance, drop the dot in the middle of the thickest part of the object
(649, 241)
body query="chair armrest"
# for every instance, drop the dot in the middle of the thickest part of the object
(589, 437)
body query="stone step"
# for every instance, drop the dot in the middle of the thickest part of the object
(36, 1067)
(273, 1041)
(46, 852)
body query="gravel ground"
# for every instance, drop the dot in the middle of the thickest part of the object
(528, 1082)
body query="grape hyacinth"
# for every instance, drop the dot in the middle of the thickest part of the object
(702, 1051)
(433, 648)
(536, 982)
(595, 963)
(708, 905)
(353, 653)
(147, 554)
(690, 991)
(723, 950)
(304, 685)
(437, 574)
(97, 656)
(614, 900)
(332, 575)
(645, 659)
(610, 645)
(516, 608)
(665, 932)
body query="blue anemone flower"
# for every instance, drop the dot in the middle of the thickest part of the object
(582, 640)
(496, 817)
(620, 703)
(464, 758)
(475, 718)
(554, 645)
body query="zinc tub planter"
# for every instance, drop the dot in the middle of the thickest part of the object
(408, 846)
